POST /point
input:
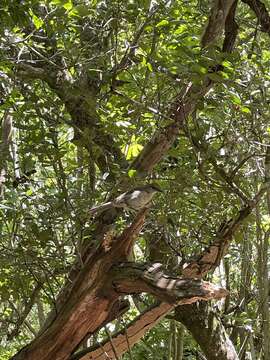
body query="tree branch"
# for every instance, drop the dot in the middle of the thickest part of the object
(132, 278)
(216, 22)
(206, 261)
(202, 146)
(135, 278)
(210, 258)
(27, 308)
(261, 12)
(4, 149)
(80, 99)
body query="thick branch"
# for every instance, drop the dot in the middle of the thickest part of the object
(163, 139)
(135, 278)
(131, 278)
(207, 330)
(216, 22)
(118, 309)
(261, 12)
(29, 72)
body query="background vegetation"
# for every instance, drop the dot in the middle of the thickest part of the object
(84, 86)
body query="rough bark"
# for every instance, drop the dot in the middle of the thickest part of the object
(208, 331)
(216, 22)
(132, 278)
(261, 12)
(6, 139)
(98, 286)
(127, 338)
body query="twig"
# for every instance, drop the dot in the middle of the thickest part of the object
(111, 342)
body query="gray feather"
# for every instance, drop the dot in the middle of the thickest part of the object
(101, 207)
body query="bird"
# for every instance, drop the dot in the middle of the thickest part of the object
(136, 199)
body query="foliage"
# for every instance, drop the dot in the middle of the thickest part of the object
(126, 61)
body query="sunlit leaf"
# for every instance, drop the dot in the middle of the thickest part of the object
(162, 23)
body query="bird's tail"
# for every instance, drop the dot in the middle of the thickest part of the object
(101, 207)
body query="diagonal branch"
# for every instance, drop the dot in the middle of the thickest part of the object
(231, 29)
(261, 12)
(111, 247)
(23, 315)
(135, 331)
(211, 256)
(203, 148)
(162, 140)
(186, 101)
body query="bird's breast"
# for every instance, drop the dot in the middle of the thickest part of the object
(139, 199)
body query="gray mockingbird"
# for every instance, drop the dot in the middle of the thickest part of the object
(135, 199)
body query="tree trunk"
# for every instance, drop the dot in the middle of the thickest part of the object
(207, 330)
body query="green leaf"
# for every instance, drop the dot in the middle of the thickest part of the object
(68, 5)
(150, 68)
(132, 173)
(134, 150)
(162, 23)
(29, 192)
(38, 22)
(266, 55)
(198, 69)
(144, 62)
(245, 110)
(235, 99)
(180, 29)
